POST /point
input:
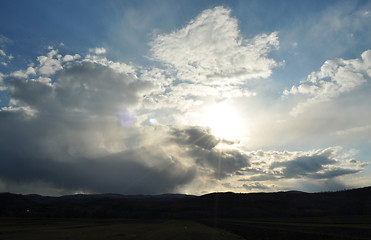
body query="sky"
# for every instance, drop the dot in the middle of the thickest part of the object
(192, 97)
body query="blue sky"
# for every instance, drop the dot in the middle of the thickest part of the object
(184, 96)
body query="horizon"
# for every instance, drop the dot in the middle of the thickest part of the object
(186, 97)
(183, 194)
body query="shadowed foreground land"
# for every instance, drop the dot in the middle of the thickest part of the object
(338, 228)
(77, 229)
(232, 229)
(343, 215)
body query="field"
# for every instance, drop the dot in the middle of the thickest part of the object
(78, 229)
(336, 228)
(231, 229)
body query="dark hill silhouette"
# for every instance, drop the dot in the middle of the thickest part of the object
(355, 202)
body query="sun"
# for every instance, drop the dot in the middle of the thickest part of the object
(224, 121)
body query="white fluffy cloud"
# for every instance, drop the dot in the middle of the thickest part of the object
(211, 48)
(335, 78)
(50, 64)
(207, 61)
(68, 57)
(24, 73)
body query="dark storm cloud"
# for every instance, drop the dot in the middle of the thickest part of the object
(304, 165)
(65, 134)
(200, 145)
(125, 172)
(198, 136)
(223, 162)
(316, 166)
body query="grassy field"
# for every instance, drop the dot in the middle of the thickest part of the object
(349, 228)
(71, 229)
(231, 229)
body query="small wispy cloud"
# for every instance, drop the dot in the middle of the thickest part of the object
(98, 51)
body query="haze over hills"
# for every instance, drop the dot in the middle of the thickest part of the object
(355, 202)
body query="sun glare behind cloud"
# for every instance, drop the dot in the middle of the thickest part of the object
(224, 121)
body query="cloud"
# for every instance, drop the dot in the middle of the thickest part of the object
(24, 73)
(90, 124)
(233, 165)
(98, 51)
(83, 115)
(68, 57)
(4, 58)
(206, 62)
(331, 173)
(223, 163)
(361, 129)
(304, 165)
(211, 48)
(82, 87)
(4, 40)
(198, 136)
(97, 89)
(200, 146)
(255, 186)
(2, 84)
(262, 176)
(51, 63)
(117, 66)
(317, 165)
(72, 134)
(336, 77)
(124, 172)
